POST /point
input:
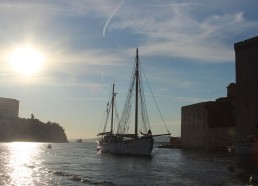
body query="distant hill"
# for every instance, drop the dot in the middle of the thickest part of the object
(84, 140)
(31, 130)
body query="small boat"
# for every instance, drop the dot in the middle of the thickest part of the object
(247, 146)
(79, 140)
(123, 140)
(49, 146)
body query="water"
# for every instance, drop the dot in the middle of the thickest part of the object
(79, 164)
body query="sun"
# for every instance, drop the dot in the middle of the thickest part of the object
(26, 60)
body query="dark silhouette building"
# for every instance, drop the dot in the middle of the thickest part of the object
(246, 53)
(209, 124)
(220, 123)
(13, 128)
(9, 108)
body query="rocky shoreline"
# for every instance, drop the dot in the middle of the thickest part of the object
(31, 130)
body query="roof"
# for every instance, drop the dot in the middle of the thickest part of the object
(196, 104)
(246, 43)
(11, 99)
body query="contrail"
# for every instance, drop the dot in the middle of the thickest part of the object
(110, 17)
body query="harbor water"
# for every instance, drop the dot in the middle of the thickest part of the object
(74, 163)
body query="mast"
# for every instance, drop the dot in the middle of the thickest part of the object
(112, 106)
(136, 92)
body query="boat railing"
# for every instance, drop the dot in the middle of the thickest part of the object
(156, 135)
(103, 133)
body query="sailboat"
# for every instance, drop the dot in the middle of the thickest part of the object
(139, 142)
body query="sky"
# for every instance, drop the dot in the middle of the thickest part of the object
(186, 49)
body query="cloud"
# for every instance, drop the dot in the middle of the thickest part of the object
(182, 30)
(111, 16)
(174, 31)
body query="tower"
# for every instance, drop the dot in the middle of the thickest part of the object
(246, 55)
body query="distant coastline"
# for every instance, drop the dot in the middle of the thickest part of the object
(31, 130)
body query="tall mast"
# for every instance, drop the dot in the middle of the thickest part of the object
(112, 106)
(136, 92)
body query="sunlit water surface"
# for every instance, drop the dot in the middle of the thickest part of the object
(78, 164)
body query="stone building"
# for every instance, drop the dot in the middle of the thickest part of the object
(9, 108)
(209, 124)
(216, 124)
(246, 54)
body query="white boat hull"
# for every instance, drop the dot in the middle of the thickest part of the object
(140, 146)
(247, 148)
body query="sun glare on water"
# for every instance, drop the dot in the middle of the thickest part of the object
(23, 163)
(26, 61)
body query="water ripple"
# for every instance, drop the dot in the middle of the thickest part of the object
(79, 164)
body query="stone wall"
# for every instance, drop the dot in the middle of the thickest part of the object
(207, 125)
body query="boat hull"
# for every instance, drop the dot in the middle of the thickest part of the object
(138, 146)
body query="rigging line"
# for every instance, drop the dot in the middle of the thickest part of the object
(100, 126)
(109, 105)
(154, 99)
(102, 118)
(145, 116)
(108, 112)
(116, 114)
(144, 113)
(123, 123)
